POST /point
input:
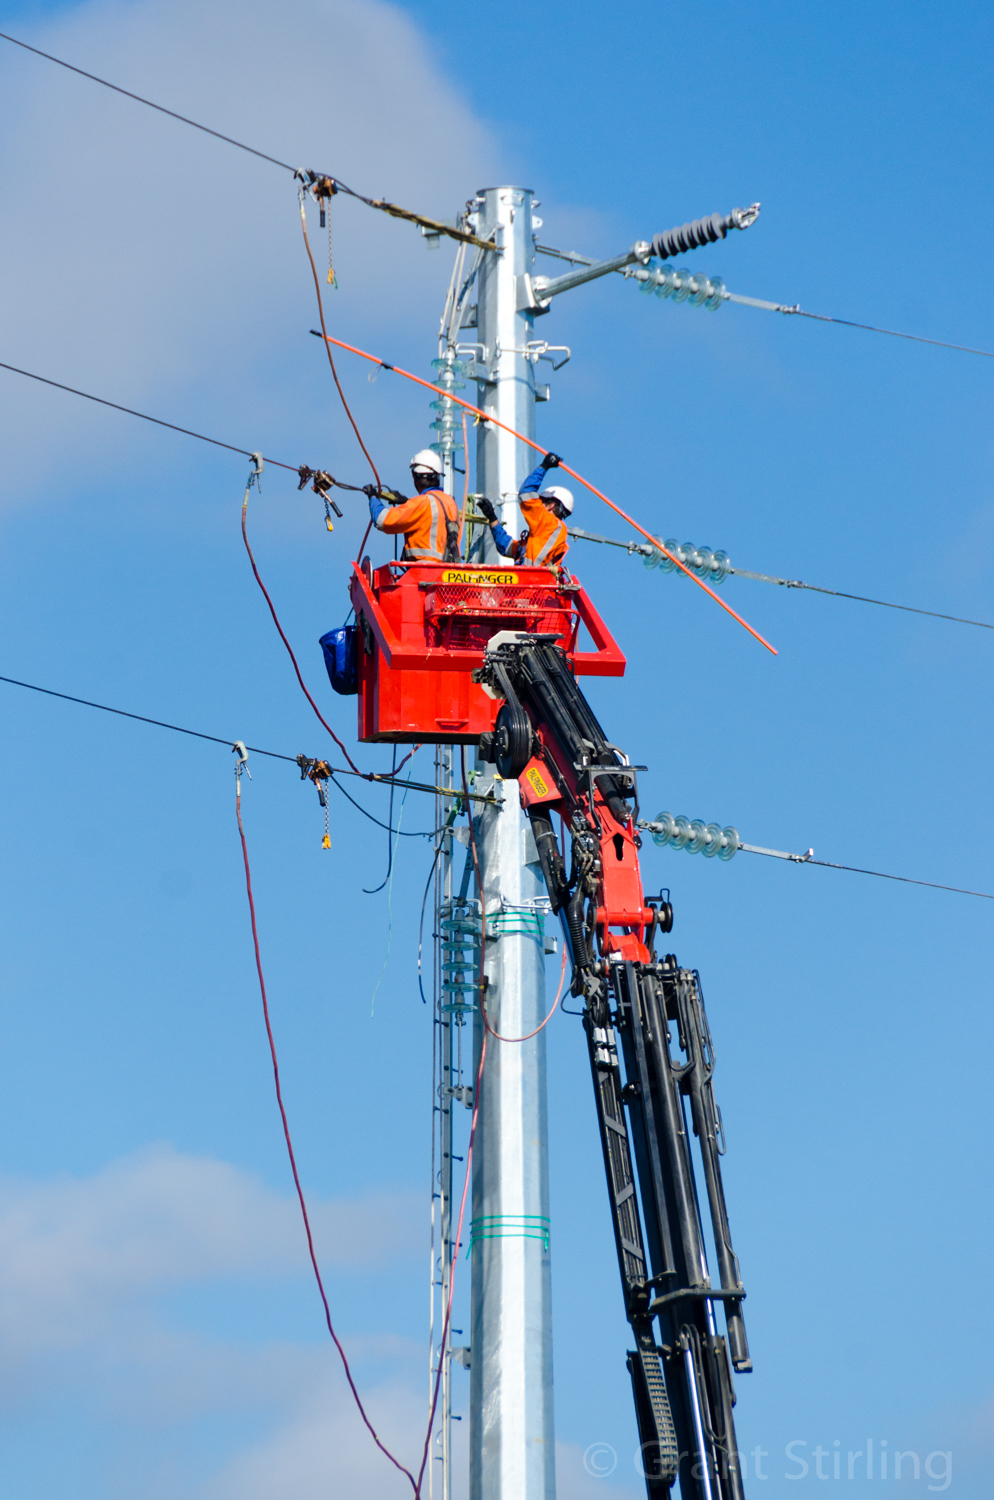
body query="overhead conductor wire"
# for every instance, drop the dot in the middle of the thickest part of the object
(436, 226)
(415, 1485)
(814, 588)
(372, 776)
(478, 411)
(186, 431)
(393, 209)
(790, 583)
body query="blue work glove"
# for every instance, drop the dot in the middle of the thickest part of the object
(376, 508)
(534, 482)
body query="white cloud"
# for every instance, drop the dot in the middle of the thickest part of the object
(82, 1259)
(324, 1450)
(85, 1334)
(83, 1265)
(149, 264)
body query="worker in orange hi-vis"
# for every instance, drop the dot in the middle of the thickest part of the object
(429, 522)
(545, 509)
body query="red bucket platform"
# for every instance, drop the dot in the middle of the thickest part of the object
(423, 629)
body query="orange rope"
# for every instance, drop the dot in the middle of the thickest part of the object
(578, 477)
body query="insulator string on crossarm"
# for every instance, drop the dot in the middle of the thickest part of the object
(383, 780)
(710, 839)
(717, 566)
(671, 242)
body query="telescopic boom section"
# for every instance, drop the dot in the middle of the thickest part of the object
(547, 737)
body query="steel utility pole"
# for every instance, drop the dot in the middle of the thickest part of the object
(512, 1447)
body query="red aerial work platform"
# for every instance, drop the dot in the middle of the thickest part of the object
(423, 629)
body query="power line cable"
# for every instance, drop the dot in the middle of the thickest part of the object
(576, 532)
(159, 723)
(130, 411)
(335, 184)
(814, 588)
(710, 840)
(791, 583)
(321, 477)
(336, 771)
(713, 292)
(808, 859)
(799, 312)
(473, 796)
(229, 140)
(586, 536)
(436, 226)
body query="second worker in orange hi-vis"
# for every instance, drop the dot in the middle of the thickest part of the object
(545, 509)
(429, 522)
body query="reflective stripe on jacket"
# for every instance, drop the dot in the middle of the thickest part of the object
(547, 541)
(422, 521)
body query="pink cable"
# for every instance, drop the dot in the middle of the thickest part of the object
(293, 1160)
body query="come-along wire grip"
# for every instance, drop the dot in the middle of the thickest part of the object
(319, 772)
(241, 764)
(321, 483)
(322, 189)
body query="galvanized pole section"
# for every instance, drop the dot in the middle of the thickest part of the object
(512, 1455)
(448, 944)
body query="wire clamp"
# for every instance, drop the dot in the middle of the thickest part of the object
(241, 764)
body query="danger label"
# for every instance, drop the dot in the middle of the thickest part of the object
(537, 782)
(461, 575)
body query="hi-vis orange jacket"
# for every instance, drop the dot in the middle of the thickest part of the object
(547, 541)
(422, 522)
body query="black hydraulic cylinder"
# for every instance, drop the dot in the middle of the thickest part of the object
(658, 1439)
(696, 1364)
(696, 1040)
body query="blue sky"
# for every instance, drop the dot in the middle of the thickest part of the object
(160, 1334)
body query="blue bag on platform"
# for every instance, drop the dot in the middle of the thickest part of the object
(341, 659)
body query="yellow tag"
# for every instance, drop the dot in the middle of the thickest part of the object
(537, 782)
(459, 575)
(326, 842)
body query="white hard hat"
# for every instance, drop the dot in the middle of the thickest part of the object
(427, 458)
(562, 494)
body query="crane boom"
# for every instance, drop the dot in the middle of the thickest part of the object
(652, 1091)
